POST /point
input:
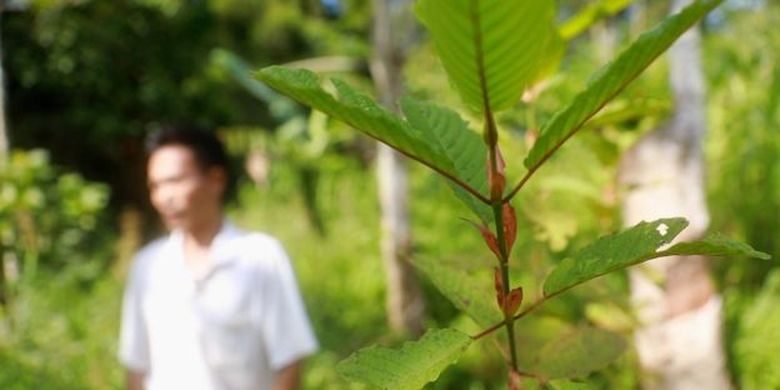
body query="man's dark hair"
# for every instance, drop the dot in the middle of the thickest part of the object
(208, 150)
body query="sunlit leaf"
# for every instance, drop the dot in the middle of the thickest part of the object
(460, 145)
(410, 367)
(635, 245)
(364, 114)
(614, 252)
(715, 245)
(612, 79)
(491, 49)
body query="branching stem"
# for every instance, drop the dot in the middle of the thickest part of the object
(496, 202)
(509, 320)
(519, 315)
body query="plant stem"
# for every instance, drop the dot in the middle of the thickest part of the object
(509, 320)
(491, 139)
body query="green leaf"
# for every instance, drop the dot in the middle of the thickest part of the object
(579, 353)
(635, 245)
(715, 245)
(463, 148)
(468, 293)
(365, 115)
(612, 79)
(591, 14)
(613, 252)
(491, 49)
(411, 367)
(353, 108)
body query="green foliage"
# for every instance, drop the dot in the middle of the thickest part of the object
(59, 333)
(441, 155)
(611, 80)
(743, 147)
(590, 14)
(411, 367)
(635, 245)
(715, 245)
(757, 343)
(46, 216)
(560, 384)
(578, 353)
(491, 49)
(743, 150)
(613, 252)
(145, 65)
(474, 46)
(461, 146)
(351, 107)
(467, 292)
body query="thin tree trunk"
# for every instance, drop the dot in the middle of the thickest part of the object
(679, 341)
(405, 305)
(3, 152)
(4, 144)
(130, 239)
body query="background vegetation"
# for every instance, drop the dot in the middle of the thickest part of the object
(87, 79)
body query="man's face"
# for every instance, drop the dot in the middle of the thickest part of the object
(183, 193)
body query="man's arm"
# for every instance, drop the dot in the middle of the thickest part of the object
(135, 380)
(289, 377)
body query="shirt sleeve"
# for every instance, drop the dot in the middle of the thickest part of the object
(286, 329)
(133, 341)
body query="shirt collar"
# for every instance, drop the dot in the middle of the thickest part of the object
(222, 250)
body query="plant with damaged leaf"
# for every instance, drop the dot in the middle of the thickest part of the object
(493, 51)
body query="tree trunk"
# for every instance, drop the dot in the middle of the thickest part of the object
(3, 151)
(405, 305)
(4, 144)
(130, 239)
(679, 341)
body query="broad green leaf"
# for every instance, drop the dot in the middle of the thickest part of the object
(591, 14)
(614, 252)
(412, 366)
(715, 245)
(472, 295)
(612, 79)
(461, 146)
(491, 49)
(635, 245)
(355, 109)
(351, 107)
(579, 353)
(362, 113)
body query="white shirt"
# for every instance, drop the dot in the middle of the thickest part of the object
(230, 329)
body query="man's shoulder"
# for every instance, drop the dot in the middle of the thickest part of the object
(151, 249)
(259, 248)
(145, 256)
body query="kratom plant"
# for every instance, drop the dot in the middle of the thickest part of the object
(492, 51)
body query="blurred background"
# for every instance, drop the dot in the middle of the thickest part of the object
(85, 80)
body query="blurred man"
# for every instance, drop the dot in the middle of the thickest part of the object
(210, 306)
